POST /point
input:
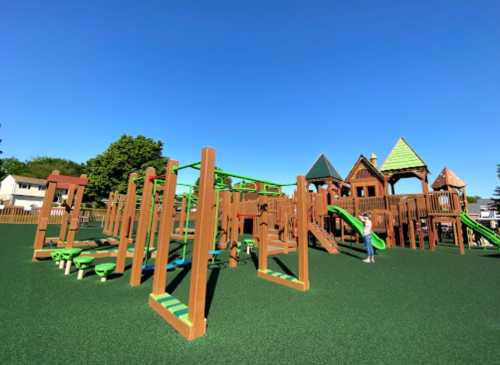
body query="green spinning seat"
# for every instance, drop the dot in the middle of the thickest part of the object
(70, 253)
(104, 270)
(56, 255)
(67, 254)
(83, 263)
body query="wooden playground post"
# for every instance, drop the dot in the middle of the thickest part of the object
(74, 222)
(432, 234)
(225, 197)
(302, 232)
(262, 223)
(43, 218)
(107, 217)
(112, 214)
(166, 227)
(66, 214)
(202, 242)
(156, 216)
(235, 225)
(458, 224)
(401, 228)
(411, 225)
(142, 229)
(118, 215)
(126, 224)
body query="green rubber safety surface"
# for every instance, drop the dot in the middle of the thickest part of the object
(409, 307)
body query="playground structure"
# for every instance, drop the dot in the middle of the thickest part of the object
(220, 214)
(189, 320)
(70, 220)
(402, 219)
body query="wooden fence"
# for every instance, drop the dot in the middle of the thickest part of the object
(17, 215)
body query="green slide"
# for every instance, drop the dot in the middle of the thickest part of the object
(479, 228)
(357, 225)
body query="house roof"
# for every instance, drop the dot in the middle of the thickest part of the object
(64, 182)
(402, 156)
(475, 208)
(362, 159)
(29, 180)
(447, 178)
(322, 168)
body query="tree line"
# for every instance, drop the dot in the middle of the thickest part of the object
(108, 171)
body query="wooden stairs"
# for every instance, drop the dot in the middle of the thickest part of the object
(324, 238)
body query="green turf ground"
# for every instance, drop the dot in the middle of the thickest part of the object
(410, 307)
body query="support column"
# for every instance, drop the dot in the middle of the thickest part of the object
(235, 224)
(67, 211)
(74, 222)
(302, 239)
(142, 228)
(126, 225)
(166, 228)
(262, 229)
(43, 218)
(202, 242)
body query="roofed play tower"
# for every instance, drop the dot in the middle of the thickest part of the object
(447, 180)
(322, 172)
(403, 162)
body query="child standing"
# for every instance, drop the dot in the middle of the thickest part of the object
(367, 237)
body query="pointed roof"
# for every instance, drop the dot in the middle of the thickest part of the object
(447, 178)
(402, 156)
(322, 168)
(362, 159)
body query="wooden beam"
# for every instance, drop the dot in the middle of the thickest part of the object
(202, 243)
(166, 228)
(126, 225)
(142, 228)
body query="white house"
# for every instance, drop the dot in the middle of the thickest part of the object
(26, 192)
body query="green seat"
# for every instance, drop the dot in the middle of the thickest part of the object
(56, 254)
(83, 262)
(249, 242)
(104, 270)
(69, 253)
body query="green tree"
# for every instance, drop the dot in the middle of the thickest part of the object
(13, 166)
(473, 199)
(109, 170)
(41, 167)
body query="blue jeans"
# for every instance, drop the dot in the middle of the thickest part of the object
(368, 244)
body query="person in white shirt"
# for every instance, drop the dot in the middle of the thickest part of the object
(367, 237)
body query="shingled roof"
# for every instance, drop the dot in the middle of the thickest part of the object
(321, 169)
(362, 159)
(29, 180)
(447, 178)
(402, 157)
(64, 181)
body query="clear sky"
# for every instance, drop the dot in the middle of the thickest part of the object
(269, 84)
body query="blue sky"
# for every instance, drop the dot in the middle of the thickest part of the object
(269, 84)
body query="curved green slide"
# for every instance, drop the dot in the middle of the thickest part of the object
(479, 228)
(357, 225)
